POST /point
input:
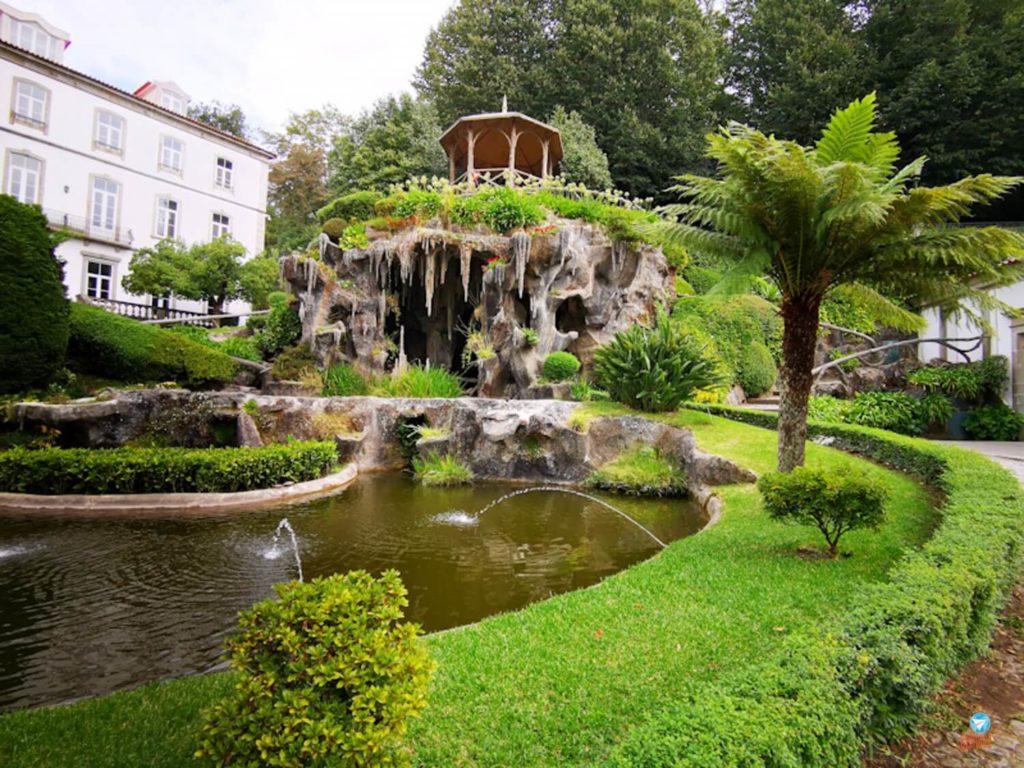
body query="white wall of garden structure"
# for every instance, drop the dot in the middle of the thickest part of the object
(119, 170)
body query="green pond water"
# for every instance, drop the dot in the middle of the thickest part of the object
(89, 606)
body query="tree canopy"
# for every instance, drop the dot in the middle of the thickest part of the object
(224, 117)
(841, 215)
(583, 162)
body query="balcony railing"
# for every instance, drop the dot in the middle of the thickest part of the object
(80, 225)
(148, 312)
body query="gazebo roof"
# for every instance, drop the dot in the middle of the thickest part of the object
(502, 121)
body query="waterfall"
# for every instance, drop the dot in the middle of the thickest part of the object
(521, 244)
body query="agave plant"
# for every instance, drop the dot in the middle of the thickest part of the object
(654, 369)
(840, 216)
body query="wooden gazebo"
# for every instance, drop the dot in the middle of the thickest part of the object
(501, 145)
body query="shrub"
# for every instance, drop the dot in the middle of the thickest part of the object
(828, 408)
(357, 206)
(34, 324)
(702, 279)
(342, 380)
(980, 381)
(501, 209)
(415, 381)
(530, 337)
(895, 411)
(934, 409)
(334, 228)
(642, 471)
(623, 225)
(831, 503)
(993, 422)
(354, 236)
(757, 371)
(283, 328)
(653, 369)
(584, 392)
(735, 323)
(584, 209)
(438, 470)
(293, 363)
(161, 470)
(329, 675)
(109, 345)
(560, 366)
(236, 346)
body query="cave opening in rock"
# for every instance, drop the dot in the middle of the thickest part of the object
(571, 315)
(436, 333)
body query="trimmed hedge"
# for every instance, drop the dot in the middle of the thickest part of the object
(356, 206)
(110, 345)
(870, 679)
(162, 470)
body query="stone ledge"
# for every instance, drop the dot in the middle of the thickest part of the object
(177, 503)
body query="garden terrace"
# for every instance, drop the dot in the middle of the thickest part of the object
(726, 644)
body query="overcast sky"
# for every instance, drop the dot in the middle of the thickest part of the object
(271, 57)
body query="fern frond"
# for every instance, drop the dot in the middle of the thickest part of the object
(846, 135)
(879, 308)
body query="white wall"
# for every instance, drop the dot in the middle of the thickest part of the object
(70, 162)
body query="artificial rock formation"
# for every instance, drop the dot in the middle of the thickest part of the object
(452, 298)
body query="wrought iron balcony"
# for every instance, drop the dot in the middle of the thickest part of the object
(83, 227)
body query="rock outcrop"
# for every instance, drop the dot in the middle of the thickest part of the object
(451, 297)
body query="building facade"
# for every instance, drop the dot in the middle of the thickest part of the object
(120, 171)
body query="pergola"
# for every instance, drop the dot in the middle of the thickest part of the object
(500, 144)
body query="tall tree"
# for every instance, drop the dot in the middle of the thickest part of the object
(583, 162)
(392, 142)
(643, 73)
(950, 78)
(224, 117)
(789, 62)
(840, 215)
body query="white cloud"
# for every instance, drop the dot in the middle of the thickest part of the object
(268, 56)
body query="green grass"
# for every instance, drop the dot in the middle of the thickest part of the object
(641, 471)
(439, 470)
(415, 381)
(562, 681)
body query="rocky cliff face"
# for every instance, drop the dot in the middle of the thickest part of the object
(499, 304)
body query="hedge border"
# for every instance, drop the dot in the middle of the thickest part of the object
(830, 694)
(52, 471)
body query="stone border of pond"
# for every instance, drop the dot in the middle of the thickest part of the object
(174, 503)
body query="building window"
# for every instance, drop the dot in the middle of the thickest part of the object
(172, 101)
(30, 101)
(109, 130)
(171, 153)
(225, 170)
(99, 279)
(24, 177)
(31, 37)
(221, 225)
(166, 217)
(104, 205)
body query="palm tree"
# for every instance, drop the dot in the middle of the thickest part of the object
(840, 216)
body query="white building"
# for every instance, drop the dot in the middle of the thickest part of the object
(119, 170)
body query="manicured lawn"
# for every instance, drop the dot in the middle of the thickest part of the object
(562, 681)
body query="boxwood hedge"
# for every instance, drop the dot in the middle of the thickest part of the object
(868, 680)
(162, 470)
(110, 345)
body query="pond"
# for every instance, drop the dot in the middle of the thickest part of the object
(89, 606)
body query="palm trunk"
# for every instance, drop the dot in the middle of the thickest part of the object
(799, 339)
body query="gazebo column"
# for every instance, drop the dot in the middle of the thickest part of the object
(451, 167)
(544, 159)
(513, 140)
(470, 170)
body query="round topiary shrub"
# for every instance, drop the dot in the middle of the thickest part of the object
(560, 366)
(329, 675)
(34, 322)
(334, 229)
(757, 371)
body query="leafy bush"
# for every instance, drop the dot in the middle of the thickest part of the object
(653, 369)
(283, 328)
(357, 206)
(701, 279)
(560, 366)
(109, 345)
(500, 209)
(435, 470)
(34, 325)
(580, 209)
(757, 371)
(353, 236)
(530, 337)
(329, 675)
(342, 380)
(980, 381)
(833, 504)
(642, 471)
(584, 392)
(623, 224)
(895, 411)
(334, 228)
(735, 323)
(293, 363)
(236, 346)
(415, 381)
(993, 422)
(161, 470)
(934, 410)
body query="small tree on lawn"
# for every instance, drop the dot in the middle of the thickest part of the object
(841, 215)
